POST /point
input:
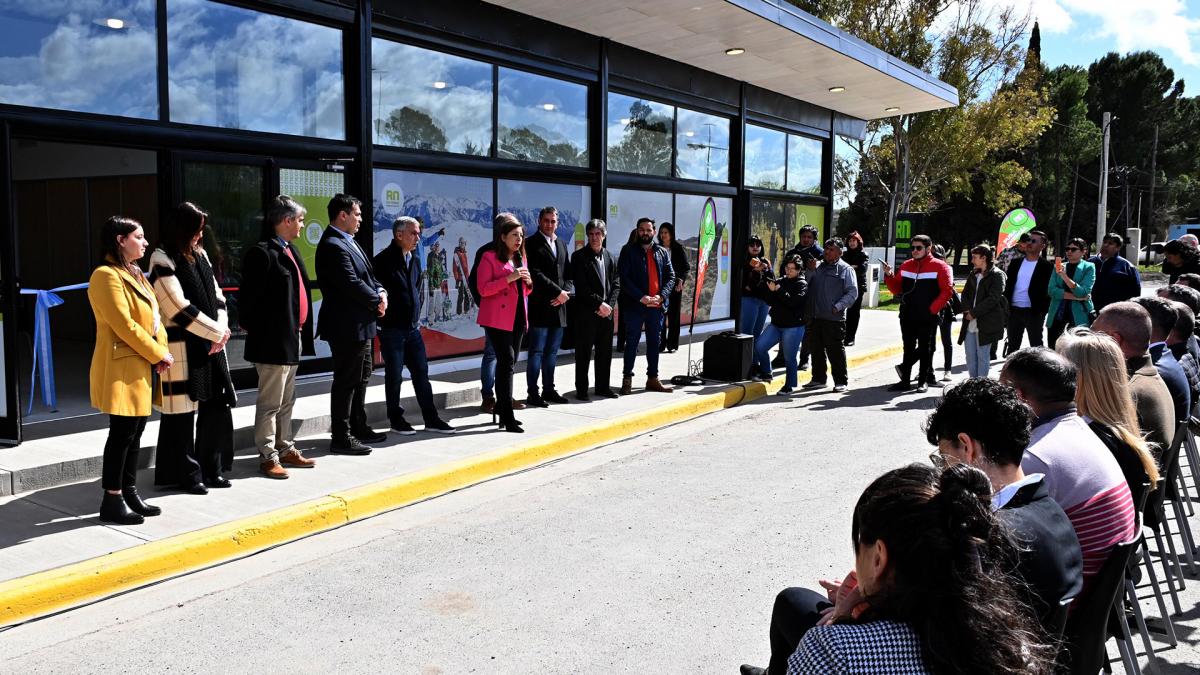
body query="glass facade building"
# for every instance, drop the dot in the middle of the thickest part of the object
(420, 109)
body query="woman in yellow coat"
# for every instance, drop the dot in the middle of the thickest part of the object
(131, 344)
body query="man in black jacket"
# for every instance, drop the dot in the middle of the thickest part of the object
(983, 423)
(1028, 293)
(548, 263)
(275, 310)
(597, 285)
(399, 270)
(353, 300)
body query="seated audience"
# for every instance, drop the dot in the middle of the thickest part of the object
(982, 423)
(1182, 344)
(1129, 324)
(1079, 471)
(1102, 396)
(1162, 321)
(930, 562)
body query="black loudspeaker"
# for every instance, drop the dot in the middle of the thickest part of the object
(728, 357)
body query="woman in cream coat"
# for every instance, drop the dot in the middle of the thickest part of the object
(131, 344)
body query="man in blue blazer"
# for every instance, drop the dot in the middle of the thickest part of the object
(646, 282)
(353, 300)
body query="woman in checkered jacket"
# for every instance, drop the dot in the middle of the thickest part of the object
(933, 593)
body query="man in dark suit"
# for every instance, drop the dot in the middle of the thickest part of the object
(597, 285)
(983, 423)
(399, 270)
(275, 310)
(1028, 293)
(646, 282)
(353, 300)
(548, 264)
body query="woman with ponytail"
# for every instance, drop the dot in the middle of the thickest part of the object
(931, 591)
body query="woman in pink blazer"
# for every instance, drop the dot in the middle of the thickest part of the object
(504, 285)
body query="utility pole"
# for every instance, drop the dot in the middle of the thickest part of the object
(1102, 208)
(1153, 177)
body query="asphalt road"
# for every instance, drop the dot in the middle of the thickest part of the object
(660, 554)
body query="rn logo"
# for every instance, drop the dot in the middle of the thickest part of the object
(393, 198)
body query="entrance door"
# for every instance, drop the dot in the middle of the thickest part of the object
(10, 410)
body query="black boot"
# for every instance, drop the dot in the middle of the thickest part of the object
(134, 500)
(508, 422)
(112, 510)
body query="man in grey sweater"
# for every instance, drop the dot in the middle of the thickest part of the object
(832, 288)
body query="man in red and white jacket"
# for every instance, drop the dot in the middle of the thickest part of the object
(923, 286)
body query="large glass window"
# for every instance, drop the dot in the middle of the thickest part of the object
(639, 135)
(96, 56)
(778, 224)
(804, 164)
(702, 147)
(428, 100)
(526, 199)
(457, 214)
(625, 207)
(542, 119)
(241, 69)
(692, 212)
(766, 157)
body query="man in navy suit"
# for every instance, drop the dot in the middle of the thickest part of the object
(353, 300)
(549, 265)
(646, 282)
(399, 270)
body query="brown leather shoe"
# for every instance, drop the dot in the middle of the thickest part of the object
(294, 459)
(488, 405)
(626, 386)
(653, 384)
(518, 405)
(272, 469)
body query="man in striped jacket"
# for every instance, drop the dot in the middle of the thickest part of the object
(923, 286)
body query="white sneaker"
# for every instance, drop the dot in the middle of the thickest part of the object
(839, 388)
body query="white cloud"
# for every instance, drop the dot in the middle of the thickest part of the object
(1163, 26)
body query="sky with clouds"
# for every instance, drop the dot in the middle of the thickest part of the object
(1077, 32)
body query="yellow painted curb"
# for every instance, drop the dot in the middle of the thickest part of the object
(41, 593)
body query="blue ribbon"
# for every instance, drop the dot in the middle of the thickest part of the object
(43, 353)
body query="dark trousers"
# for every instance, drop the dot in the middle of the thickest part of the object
(796, 611)
(121, 451)
(638, 315)
(175, 458)
(1024, 320)
(351, 372)
(917, 333)
(946, 328)
(670, 329)
(214, 437)
(400, 348)
(853, 316)
(827, 339)
(1058, 327)
(593, 333)
(507, 344)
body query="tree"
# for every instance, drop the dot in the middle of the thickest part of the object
(412, 128)
(527, 144)
(645, 145)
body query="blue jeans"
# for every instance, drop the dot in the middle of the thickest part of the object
(487, 369)
(636, 316)
(543, 356)
(788, 340)
(753, 316)
(401, 347)
(978, 356)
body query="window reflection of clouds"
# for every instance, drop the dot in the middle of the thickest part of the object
(242, 69)
(704, 154)
(804, 164)
(58, 54)
(765, 157)
(542, 119)
(525, 199)
(454, 92)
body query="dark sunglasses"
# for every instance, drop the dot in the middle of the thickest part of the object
(918, 248)
(1073, 248)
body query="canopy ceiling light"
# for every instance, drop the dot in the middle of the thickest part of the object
(836, 90)
(735, 51)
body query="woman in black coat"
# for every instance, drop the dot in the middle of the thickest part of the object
(679, 262)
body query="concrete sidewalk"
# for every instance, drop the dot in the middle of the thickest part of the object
(53, 533)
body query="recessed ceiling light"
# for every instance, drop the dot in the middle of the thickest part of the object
(735, 51)
(624, 120)
(548, 106)
(836, 90)
(891, 109)
(439, 85)
(115, 24)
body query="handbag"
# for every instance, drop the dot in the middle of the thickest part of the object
(956, 305)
